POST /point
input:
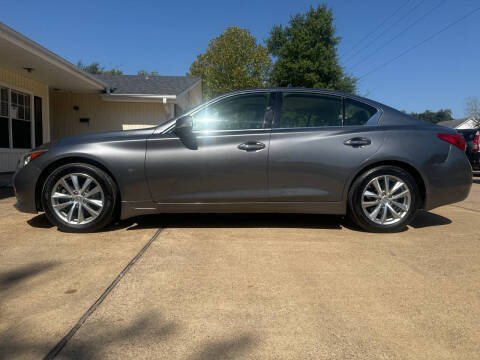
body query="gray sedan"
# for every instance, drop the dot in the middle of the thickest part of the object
(266, 150)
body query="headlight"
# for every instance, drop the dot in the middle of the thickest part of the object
(26, 158)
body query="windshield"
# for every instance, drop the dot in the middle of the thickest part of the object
(179, 113)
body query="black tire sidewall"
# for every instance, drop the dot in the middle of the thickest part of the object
(108, 188)
(355, 196)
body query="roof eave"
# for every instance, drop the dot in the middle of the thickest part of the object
(140, 98)
(38, 50)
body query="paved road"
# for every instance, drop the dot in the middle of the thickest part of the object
(238, 286)
(48, 279)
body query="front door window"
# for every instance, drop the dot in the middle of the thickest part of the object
(242, 112)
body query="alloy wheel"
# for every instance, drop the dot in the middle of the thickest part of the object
(386, 200)
(77, 198)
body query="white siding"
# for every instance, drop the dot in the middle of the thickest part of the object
(468, 124)
(103, 115)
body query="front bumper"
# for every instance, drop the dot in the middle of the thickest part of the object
(24, 184)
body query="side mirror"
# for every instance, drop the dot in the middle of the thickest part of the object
(184, 125)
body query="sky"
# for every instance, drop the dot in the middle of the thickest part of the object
(167, 36)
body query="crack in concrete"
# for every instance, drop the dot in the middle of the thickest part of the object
(464, 208)
(61, 344)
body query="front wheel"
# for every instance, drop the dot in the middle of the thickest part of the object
(79, 198)
(383, 199)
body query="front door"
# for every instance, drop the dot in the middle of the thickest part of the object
(224, 161)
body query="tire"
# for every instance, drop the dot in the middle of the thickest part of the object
(364, 198)
(93, 209)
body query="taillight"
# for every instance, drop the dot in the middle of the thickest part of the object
(475, 141)
(454, 139)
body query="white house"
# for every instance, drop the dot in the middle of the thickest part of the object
(467, 123)
(44, 97)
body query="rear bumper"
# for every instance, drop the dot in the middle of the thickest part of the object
(24, 183)
(448, 182)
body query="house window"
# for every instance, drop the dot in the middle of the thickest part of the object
(15, 119)
(4, 119)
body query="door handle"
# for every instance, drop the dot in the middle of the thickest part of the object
(358, 142)
(251, 146)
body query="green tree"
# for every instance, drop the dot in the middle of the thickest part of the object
(434, 116)
(96, 68)
(147, 73)
(305, 53)
(234, 60)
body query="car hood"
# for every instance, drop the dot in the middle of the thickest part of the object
(106, 136)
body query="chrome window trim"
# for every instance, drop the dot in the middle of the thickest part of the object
(207, 132)
(375, 120)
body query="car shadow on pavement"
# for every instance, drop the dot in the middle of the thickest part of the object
(427, 219)
(6, 192)
(304, 221)
(215, 221)
(40, 221)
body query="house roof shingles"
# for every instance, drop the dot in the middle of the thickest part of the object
(453, 123)
(152, 84)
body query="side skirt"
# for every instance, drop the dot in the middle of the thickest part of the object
(130, 209)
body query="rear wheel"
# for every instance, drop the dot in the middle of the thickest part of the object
(383, 199)
(79, 198)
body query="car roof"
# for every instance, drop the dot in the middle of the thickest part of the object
(309, 90)
(295, 89)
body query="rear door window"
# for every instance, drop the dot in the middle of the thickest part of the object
(304, 110)
(357, 113)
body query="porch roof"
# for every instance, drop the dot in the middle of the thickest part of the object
(22, 55)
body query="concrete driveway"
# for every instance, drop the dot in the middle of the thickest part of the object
(243, 286)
